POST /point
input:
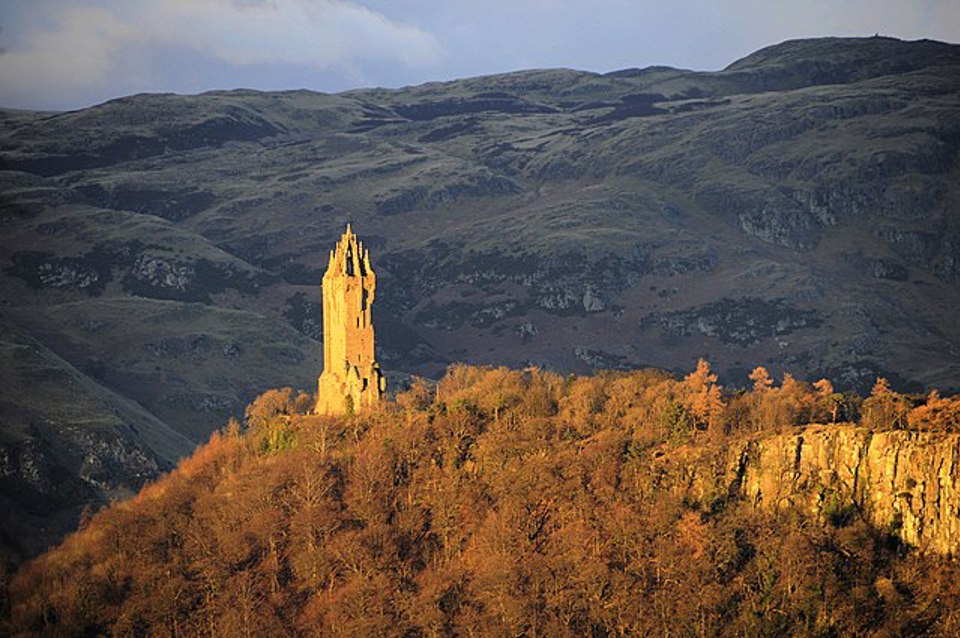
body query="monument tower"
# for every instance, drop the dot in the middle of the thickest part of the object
(351, 378)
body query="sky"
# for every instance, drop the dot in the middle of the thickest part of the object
(67, 54)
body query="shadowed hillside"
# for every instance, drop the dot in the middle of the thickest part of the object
(797, 209)
(518, 503)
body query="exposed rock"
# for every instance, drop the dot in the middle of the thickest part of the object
(784, 226)
(918, 248)
(598, 359)
(44, 270)
(889, 269)
(904, 482)
(766, 214)
(527, 330)
(558, 299)
(162, 273)
(741, 321)
(453, 315)
(231, 350)
(592, 301)
(946, 266)
(62, 275)
(111, 463)
(161, 277)
(29, 465)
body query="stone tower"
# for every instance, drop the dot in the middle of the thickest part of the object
(351, 378)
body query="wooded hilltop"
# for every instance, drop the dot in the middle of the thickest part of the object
(501, 502)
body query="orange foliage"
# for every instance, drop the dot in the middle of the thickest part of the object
(761, 379)
(936, 413)
(503, 502)
(704, 398)
(884, 408)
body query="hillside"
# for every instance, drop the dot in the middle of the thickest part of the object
(797, 209)
(525, 503)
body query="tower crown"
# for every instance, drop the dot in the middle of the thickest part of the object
(349, 257)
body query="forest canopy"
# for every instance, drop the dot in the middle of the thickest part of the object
(496, 502)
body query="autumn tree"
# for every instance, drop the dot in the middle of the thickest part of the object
(798, 400)
(829, 402)
(703, 397)
(761, 413)
(936, 413)
(885, 409)
(270, 413)
(417, 397)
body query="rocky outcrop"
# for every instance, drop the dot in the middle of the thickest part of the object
(741, 321)
(904, 482)
(43, 270)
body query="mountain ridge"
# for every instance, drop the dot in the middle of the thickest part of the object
(170, 247)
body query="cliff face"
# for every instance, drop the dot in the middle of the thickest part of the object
(905, 482)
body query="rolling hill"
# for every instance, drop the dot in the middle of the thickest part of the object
(161, 254)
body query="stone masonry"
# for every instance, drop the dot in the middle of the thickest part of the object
(351, 378)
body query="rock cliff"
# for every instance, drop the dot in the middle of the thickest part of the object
(905, 482)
